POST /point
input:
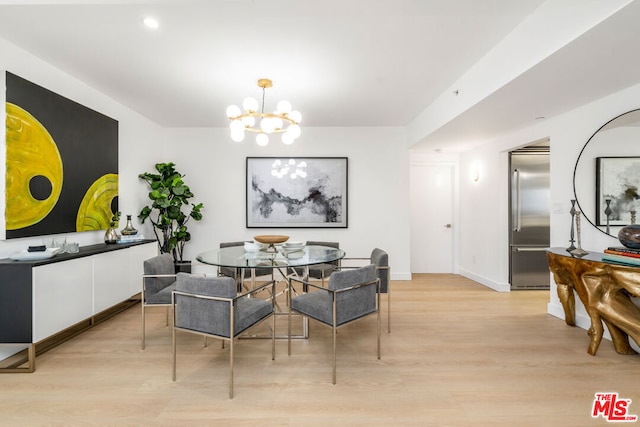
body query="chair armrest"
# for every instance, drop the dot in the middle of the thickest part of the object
(199, 296)
(293, 279)
(148, 276)
(336, 291)
(360, 285)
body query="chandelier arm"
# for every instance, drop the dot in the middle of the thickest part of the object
(263, 115)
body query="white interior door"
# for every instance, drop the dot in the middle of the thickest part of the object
(432, 196)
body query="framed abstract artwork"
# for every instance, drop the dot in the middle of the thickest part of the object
(617, 183)
(62, 163)
(290, 192)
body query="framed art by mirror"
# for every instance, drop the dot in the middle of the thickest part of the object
(606, 170)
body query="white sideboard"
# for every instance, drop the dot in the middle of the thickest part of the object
(39, 299)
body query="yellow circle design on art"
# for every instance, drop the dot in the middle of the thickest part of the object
(95, 210)
(31, 152)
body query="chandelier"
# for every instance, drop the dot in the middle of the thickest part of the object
(284, 120)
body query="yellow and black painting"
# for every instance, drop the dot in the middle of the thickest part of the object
(62, 163)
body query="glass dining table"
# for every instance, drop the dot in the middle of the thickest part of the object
(277, 257)
(286, 262)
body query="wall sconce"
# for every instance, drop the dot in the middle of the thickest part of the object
(474, 172)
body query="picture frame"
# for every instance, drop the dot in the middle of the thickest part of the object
(617, 184)
(297, 192)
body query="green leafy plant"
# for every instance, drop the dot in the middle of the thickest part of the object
(169, 195)
(114, 220)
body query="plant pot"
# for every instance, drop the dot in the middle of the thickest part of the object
(183, 266)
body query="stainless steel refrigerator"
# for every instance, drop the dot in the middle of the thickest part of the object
(529, 220)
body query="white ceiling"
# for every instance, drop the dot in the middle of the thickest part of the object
(340, 62)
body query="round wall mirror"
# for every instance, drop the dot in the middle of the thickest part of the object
(606, 178)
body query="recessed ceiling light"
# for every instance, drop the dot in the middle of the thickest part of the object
(151, 22)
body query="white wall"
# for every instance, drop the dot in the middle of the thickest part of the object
(215, 170)
(483, 207)
(378, 187)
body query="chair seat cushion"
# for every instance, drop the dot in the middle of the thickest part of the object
(249, 311)
(317, 305)
(162, 297)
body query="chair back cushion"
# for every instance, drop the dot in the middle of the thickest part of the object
(318, 271)
(212, 316)
(381, 259)
(158, 289)
(356, 303)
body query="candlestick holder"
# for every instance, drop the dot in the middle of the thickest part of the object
(573, 214)
(579, 252)
(607, 212)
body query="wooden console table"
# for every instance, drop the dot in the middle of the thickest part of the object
(605, 290)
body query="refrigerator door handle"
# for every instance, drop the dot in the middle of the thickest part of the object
(517, 213)
(518, 249)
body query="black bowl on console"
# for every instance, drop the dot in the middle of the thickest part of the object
(629, 236)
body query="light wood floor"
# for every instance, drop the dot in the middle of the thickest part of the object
(459, 355)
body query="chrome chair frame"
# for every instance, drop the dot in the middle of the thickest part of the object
(232, 335)
(388, 268)
(334, 326)
(144, 304)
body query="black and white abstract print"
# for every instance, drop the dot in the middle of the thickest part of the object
(296, 192)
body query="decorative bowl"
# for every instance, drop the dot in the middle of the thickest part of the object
(629, 236)
(271, 238)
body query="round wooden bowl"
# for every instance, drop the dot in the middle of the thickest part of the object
(271, 239)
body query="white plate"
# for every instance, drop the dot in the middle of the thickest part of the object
(294, 244)
(25, 255)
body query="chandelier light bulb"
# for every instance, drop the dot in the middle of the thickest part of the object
(262, 139)
(267, 125)
(278, 123)
(284, 107)
(294, 131)
(233, 111)
(250, 104)
(295, 116)
(249, 121)
(237, 126)
(237, 136)
(287, 138)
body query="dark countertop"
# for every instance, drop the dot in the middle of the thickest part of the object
(84, 252)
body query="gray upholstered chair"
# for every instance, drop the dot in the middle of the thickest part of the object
(239, 275)
(380, 259)
(210, 306)
(158, 281)
(318, 271)
(350, 295)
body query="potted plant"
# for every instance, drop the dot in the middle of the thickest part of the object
(169, 195)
